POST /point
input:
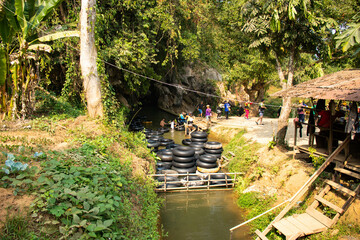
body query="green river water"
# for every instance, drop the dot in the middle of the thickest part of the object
(198, 215)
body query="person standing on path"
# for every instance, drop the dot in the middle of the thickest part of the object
(200, 108)
(208, 114)
(262, 108)
(301, 111)
(247, 109)
(227, 108)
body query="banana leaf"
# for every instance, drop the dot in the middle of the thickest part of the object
(3, 66)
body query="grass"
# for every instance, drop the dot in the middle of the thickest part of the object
(16, 227)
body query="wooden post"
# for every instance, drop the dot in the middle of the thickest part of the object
(233, 184)
(165, 182)
(295, 134)
(187, 181)
(208, 186)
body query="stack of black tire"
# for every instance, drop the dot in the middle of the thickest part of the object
(199, 137)
(214, 149)
(165, 142)
(207, 161)
(166, 157)
(183, 159)
(172, 181)
(198, 147)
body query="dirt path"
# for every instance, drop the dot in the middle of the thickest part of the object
(260, 133)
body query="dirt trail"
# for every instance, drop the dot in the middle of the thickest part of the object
(260, 133)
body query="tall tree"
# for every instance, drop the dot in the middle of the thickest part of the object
(286, 29)
(88, 57)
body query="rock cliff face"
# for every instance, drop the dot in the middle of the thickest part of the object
(177, 98)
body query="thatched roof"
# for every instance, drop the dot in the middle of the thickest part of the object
(343, 85)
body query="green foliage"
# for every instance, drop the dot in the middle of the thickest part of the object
(257, 203)
(13, 167)
(17, 227)
(55, 107)
(245, 153)
(317, 160)
(95, 201)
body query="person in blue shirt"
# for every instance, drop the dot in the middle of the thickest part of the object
(227, 109)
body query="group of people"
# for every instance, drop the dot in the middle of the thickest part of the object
(208, 112)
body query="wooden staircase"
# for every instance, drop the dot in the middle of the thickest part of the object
(321, 214)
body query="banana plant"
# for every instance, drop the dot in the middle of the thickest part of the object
(19, 51)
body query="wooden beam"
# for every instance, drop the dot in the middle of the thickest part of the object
(319, 216)
(338, 187)
(347, 172)
(261, 235)
(329, 204)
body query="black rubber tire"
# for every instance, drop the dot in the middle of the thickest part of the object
(184, 170)
(219, 176)
(186, 141)
(170, 185)
(205, 164)
(165, 158)
(155, 138)
(154, 145)
(197, 144)
(183, 159)
(214, 151)
(164, 130)
(180, 128)
(168, 179)
(213, 154)
(207, 158)
(199, 152)
(192, 178)
(166, 165)
(183, 151)
(152, 140)
(198, 134)
(217, 182)
(172, 146)
(165, 143)
(213, 145)
(203, 140)
(165, 151)
(183, 165)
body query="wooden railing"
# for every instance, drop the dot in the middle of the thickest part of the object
(205, 181)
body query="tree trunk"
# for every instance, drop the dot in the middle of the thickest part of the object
(88, 56)
(286, 107)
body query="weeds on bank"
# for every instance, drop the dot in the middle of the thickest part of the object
(89, 192)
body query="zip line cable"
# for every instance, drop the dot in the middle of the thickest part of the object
(149, 78)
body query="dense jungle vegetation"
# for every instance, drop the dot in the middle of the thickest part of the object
(89, 189)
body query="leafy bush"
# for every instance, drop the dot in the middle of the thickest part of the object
(13, 167)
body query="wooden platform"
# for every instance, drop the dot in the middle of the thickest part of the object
(340, 158)
(299, 225)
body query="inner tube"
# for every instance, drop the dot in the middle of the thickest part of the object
(184, 170)
(200, 151)
(183, 164)
(168, 171)
(165, 158)
(183, 151)
(198, 134)
(202, 140)
(186, 141)
(183, 159)
(208, 158)
(153, 144)
(165, 151)
(213, 145)
(172, 145)
(196, 144)
(192, 178)
(214, 154)
(205, 164)
(214, 151)
(168, 179)
(164, 130)
(167, 142)
(180, 128)
(169, 185)
(208, 170)
(219, 176)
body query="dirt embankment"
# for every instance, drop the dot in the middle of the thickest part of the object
(276, 172)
